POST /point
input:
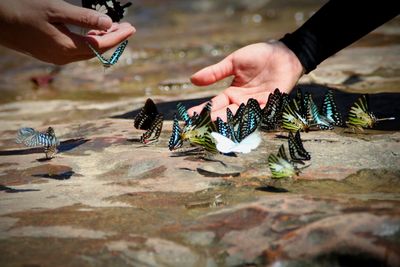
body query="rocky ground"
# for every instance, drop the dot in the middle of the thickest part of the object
(108, 200)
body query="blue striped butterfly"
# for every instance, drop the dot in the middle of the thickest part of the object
(175, 140)
(114, 57)
(313, 116)
(280, 166)
(154, 131)
(111, 8)
(250, 120)
(329, 109)
(360, 117)
(226, 145)
(296, 148)
(183, 114)
(147, 114)
(32, 138)
(223, 128)
(199, 134)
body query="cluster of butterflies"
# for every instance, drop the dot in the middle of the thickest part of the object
(302, 114)
(240, 133)
(32, 138)
(116, 12)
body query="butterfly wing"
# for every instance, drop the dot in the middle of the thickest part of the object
(146, 115)
(248, 144)
(153, 133)
(175, 140)
(223, 144)
(183, 114)
(118, 52)
(296, 149)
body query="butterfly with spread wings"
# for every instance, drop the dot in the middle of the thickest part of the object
(32, 138)
(114, 57)
(149, 119)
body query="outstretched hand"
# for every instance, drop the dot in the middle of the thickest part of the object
(257, 70)
(38, 28)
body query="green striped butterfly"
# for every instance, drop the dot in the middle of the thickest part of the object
(280, 166)
(360, 117)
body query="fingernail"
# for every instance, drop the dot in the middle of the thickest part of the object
(104, 22)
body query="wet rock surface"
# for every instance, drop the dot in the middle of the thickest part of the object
(108, 200)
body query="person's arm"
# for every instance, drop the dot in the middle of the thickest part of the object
(260, 68)
(38, 28)
(335, 26)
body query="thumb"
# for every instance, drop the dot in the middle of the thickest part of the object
(213, 73)
(64, 12)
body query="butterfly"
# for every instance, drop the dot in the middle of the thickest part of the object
(183, 114)
(272, 112)
(223, 128)
(329, 109)
(198, 134)
(226, 145)
(32, 138)
(280, 166)
(250, 119)
(147, 114)
(175, 140)
(114, 57)
(111, 8)
(360, 117)
(296, 149)
(293, 118)
(313, 116)
(154, 131)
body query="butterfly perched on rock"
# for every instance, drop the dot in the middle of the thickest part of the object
(32, 138)
(360, 116)
(296, 148)
(153, 133)
(112, 8)
(280, 166)
(175, 140)
(329, 109)
(114, 57)
(273, 110)
(199, 133)
(314, 118)
(149, 119)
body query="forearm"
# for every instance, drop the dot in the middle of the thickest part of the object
(335, 26)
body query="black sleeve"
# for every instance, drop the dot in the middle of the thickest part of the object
(335, 26)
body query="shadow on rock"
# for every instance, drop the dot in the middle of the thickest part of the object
(13, 190)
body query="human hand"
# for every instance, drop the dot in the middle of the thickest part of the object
(257, 69)
(38, 28)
